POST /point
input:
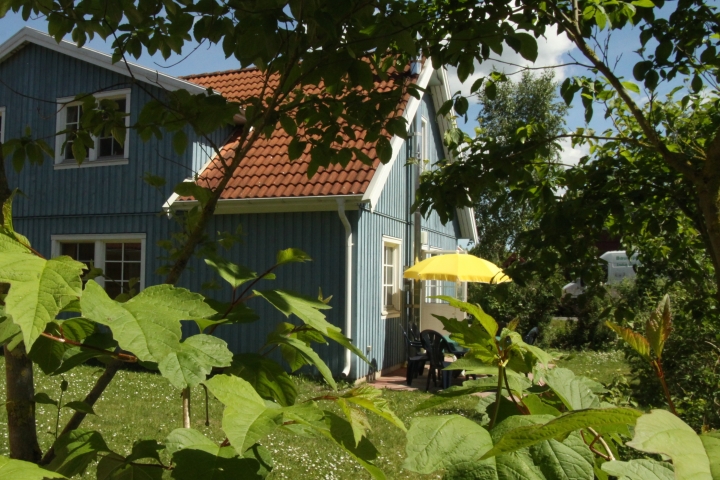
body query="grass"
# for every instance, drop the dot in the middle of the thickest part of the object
(600, 366)
(143, 405)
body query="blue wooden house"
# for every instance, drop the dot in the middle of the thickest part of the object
(355, 222)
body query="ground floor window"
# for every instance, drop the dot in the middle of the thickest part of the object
(120, 257)
(440, 287)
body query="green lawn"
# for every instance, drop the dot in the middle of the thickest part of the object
(144, 405)
(600, 366)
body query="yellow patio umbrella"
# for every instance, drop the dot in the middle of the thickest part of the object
(455, 267)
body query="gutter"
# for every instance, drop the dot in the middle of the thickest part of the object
(348, 282)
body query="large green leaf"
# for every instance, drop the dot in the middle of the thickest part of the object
(371, 399)
(356, 418)
(194, 359)
(18, 470)
(292, 255)
(247, 417)
(48, 354)
(75, 450)
(634, 339)
(39, 289)
(305, 308)
(268, 378)
(306, 354)
(148, 325)
(659, 326)
(234, 274)
(196, 456)
(9, 331)
(575, 392)
(336, 335)
(661, 432)
(181, 438)
(570, 459)
(560, 427)
(711, 442)
(487, 322)
(116, 467)
(435, 443)
(644, 469)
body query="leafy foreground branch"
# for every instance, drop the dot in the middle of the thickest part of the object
(551, 424)
(258, 394)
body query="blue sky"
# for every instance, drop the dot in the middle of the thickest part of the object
(553, 50)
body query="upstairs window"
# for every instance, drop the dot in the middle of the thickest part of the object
(106, 150)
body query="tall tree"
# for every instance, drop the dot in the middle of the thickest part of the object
(501, 213)
(653, 177)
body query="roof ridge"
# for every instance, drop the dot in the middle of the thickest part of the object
(219, 72)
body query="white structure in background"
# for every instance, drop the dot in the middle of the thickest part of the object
(619, 267)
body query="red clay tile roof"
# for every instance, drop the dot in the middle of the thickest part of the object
(266, 171)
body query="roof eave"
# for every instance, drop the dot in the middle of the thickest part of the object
(153, 77)
(324, 203)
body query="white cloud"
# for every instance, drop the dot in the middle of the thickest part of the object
(551, 48)
(572, 155)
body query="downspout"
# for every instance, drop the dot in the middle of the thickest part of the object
(348, 282)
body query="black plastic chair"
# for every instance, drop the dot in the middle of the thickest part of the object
(435, 345)
(415, 360)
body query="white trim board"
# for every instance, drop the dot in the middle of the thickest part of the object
(325, 203)
(377, 184)
(153, 77)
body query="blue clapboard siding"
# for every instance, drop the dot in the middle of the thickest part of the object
(32, 80)
(319, 234)
(440, 236)
(392, 218)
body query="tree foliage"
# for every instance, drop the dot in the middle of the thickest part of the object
(650, 179)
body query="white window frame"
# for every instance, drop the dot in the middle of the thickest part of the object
(460, 287)
(92, 160)
(423, 144)
(3, 122)
(100, 240)
(396, 244)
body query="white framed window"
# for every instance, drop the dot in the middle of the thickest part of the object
(441, 287)
(106, 150)
(423, 150)
(120, 256)
(391, 295)
(2, 124)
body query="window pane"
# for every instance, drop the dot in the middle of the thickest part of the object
(388, 296)
(72, 114)
(121, 103)
(105, 147)
(86, 252)
(113, 270)
(131, 270)
(113, 251)
(132, 252)
(69, 249)
(117, 148)
(113, 290)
